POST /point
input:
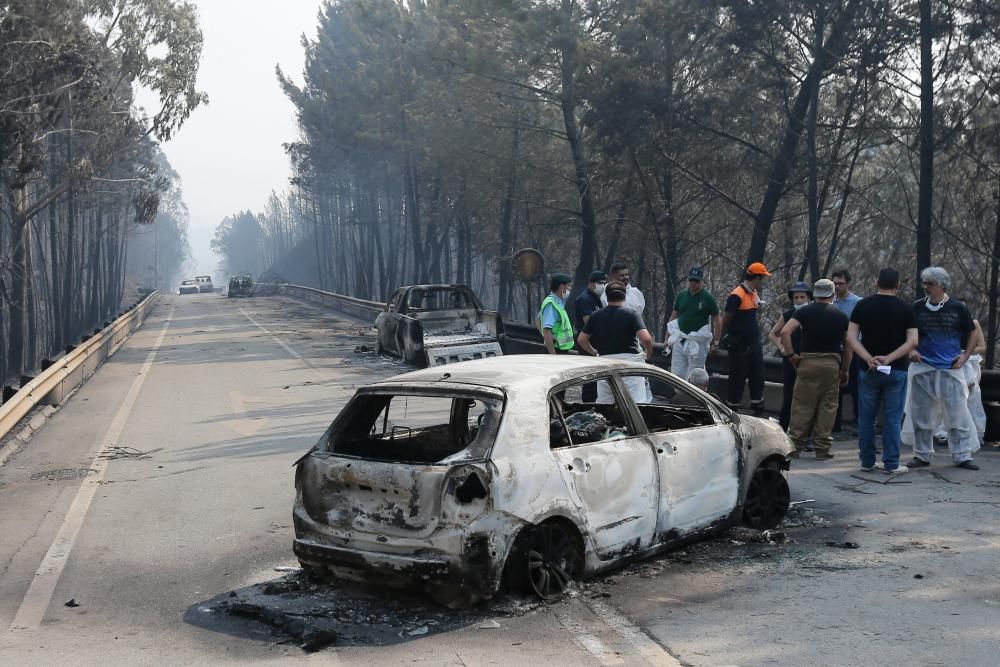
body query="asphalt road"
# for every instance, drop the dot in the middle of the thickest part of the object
(158, 499)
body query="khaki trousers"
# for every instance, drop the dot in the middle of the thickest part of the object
(814, 402)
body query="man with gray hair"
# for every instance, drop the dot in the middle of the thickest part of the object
(938, 389)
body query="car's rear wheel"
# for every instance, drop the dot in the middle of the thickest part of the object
(768, 498)
(545, 559)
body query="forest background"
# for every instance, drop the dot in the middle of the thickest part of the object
(439, 137)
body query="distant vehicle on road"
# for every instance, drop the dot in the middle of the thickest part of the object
(438, 324)
(188, 287)
(494, 472)
(240, 286)
(204, 283)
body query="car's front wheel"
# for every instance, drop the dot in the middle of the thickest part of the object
(768, 498)
(545, 559)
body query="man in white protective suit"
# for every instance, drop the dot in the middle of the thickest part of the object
(694, 327)
(938, 383)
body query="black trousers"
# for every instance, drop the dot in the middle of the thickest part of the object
(788, 380)
(746, 366)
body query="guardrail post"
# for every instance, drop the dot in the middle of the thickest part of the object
(69, 348)
(24, 380)
(8, 392)
(46, 363)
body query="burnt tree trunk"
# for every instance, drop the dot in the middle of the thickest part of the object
(925, 198)
(782, 164)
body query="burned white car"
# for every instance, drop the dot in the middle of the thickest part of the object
(490, 473)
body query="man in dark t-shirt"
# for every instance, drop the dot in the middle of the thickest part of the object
(882, 333)
(824, 358)
(615, 330)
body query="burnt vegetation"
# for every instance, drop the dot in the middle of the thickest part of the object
(88, 204)
(438, 138)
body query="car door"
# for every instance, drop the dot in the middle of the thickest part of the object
(697, 457)
(610, 473)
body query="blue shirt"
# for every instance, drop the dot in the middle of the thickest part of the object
(549, 313)
(943, 333)
(585, 305)
(846, 305)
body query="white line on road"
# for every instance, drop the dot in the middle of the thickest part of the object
(43, 585)
(589, 642)
(640, 642)
(282, 344)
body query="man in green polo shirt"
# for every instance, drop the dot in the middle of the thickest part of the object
(694, 326)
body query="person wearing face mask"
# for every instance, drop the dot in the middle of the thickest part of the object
(938, 389)
(694, 326)
(634, 299)
(557, 329)
(589, 299)
(586, 304)
(800, 294)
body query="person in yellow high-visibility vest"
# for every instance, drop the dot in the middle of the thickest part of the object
(557, 329)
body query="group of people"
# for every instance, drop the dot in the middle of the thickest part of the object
(919, 360)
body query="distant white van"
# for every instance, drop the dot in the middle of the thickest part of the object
(204, 283)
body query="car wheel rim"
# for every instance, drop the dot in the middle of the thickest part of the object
(552, 561)
(768, 498)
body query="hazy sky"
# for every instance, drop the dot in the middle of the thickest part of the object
(229, 153)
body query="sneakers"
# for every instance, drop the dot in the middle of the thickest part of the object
(920, 463)
(870, 468)
(898, 470)
(823, 457)
(967, 465)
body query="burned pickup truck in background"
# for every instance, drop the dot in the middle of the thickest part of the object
(431, 325)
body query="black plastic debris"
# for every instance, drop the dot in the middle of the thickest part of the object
(308, 637)
(72, 603)
(844, 545)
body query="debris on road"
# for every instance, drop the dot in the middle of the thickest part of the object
(71, 603)
(844, 545)
(361, 349)
(489, 625)
(309, 637)
(287, 568)
(62, 475)
(114, 452)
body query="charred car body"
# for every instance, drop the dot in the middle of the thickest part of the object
(188, 287)
(241, 285)
(484, 473)
(437, 324)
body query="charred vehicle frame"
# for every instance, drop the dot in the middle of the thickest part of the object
(514, 482)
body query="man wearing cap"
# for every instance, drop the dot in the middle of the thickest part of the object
(589, 299)
(825, 358)
(694, 326)
(800, 294)
(557, 330)
(741, 338)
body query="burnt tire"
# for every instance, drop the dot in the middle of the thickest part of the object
(768, 499)
(545, 559)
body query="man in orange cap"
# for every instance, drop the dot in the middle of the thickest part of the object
(741, 338)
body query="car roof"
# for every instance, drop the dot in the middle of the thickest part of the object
(513, 371)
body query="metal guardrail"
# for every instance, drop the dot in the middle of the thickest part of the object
(53, 384)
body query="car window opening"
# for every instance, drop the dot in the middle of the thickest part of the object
(671, 408)
(417, 429)
(573, 422)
